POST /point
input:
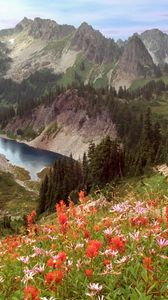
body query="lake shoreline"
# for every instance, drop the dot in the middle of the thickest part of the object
(33, 160)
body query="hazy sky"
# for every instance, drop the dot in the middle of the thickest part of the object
(114, 18)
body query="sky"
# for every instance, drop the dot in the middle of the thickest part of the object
(114, 18)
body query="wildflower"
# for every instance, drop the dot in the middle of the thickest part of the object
(88, 272)
(23, 259)
(54, 277)
(135, 236)
(91, 251)
(86, 234)
(62, 219)
(82, 197)
(93, 248)
(162, 242)
(79, 246)
(106, 262)
(108, 231)
(139, 221)
(51, 262)
(31, 217)
(95, 289)
(118, 244)
(148, 264)
(31, 293)
(62, 256)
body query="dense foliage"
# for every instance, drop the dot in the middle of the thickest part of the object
(105, 162)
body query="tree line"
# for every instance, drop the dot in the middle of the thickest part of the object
(102, 164)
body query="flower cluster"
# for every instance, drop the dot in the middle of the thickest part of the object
(118, 252)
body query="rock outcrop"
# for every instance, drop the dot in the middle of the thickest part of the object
(68, 125)
(157, 44)
(134, 63)
(95, 46)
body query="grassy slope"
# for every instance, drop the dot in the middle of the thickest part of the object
(123, 258)
(15, 199)
(141, 82)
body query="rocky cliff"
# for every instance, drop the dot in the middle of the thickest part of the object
(67, 126)
(134, 63)
(157, 44)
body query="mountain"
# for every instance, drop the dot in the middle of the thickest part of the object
(135, 62)
(94, 45)
(70, 119)
(77, 54)
(156, 43)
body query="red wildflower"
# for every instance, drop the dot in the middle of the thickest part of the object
(88, 272)
(87, 234)
(117, 244)
(51, 262)
(31, 293)
(62, 219)
(54, 277)
(61, 207)
(139, 221)
(106, 262)
(31, 217)
(62, 256)
(91, 251)
(148, 264)
(82, 197)
(93, 248)
(153, 203)
(96, 243)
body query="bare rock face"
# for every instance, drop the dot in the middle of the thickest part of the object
(136, 60)
(95, 45)
(23, 25)
(48, 29)
(157, 44)
(74, 125)
(134, 63)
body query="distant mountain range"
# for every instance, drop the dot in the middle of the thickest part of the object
(81, 54)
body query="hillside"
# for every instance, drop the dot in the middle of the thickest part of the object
(99, 249)
(68, 119)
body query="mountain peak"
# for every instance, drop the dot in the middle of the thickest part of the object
(85, 25)
(49, 29)
(135, 62)
(157, 44)
(23, 23)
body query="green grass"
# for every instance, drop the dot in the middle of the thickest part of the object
(141, 82)
(15, 199)
(21, 173)
(144, 187)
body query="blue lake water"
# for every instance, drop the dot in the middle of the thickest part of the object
(29, 158)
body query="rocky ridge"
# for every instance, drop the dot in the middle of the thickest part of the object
(42, 43)
(135, 61)
(66, 122)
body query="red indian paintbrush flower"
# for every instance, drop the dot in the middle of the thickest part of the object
(117, 244)
(31, 293)
(54, 277)
(88, 272)
(148, 264)
(93, 248)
